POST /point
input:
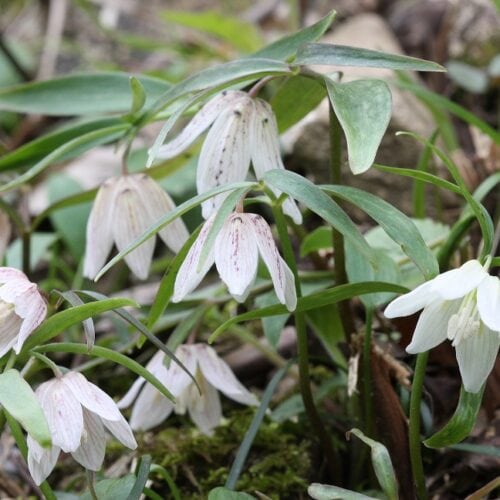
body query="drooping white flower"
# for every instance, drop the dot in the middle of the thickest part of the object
(212, 374)
(22, 309)
(462, 305)
(77, 412)
(235, 252)
(244, 129)
(123, 209)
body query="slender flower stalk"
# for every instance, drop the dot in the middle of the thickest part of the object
(77, 412)
(242, 238)
(211, 373)
(124, 208)
(243, 130)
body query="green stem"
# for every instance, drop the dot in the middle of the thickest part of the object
(367, 375)
(340, 273)
(332, 460)
(415, 446)
(26, 238)
(90, 482)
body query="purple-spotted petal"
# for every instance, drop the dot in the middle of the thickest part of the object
(199, 123)
(281, 275)
(236, 255)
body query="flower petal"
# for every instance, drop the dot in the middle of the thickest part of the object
(92, 447)
(282, 276)
(476, 356)
(488, 302)
(188, 276)
(176, 379)
(10, 324)
(158, 203)
(11, 273)
(63, 413)
(41, 461)
(130, 221)
(265, 150)
(99, 235)
(411, 302)
(205, 410)
(32, 307)
(459, 282)
(432, 325)
(150, 409)
(122, 431)
(199, 123)
(219, 374)
(236, 255)
(90, 396)
(225, 155)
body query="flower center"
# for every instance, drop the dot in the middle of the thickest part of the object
(466, 321)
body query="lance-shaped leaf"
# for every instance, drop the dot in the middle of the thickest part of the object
(329, 492)
(343, 55)
(363, 108)
(17, 397)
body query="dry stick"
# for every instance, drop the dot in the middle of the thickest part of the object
(340, 273)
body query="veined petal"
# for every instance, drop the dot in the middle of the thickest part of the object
(476, 356)
(10, 274)
(282, 276)
(90, 396)
(432, 325)
(63, 413)
(411, 302)
(225, 155)
(10, 324)
(41, 461)
(265, 150)
(459, 282)
(488, 302)
(99, 234)
(236, 255)
(199, 123)
(32, 307)
(122, 431)
(130, 221)
(150, 409)
(92, 447)
(205, 410)
(158, 203)
(176, 379)
(11, 290)
(218, 374)
(188, 277)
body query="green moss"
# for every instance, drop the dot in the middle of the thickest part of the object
(278, 464)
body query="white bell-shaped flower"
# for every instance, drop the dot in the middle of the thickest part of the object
(77, 412)
(22, 309)
(124, 208)
(212, 374)
(235, 252)
(462, 305)
(244, 129)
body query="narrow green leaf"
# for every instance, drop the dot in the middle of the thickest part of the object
(342, 55)
(461, 423)
(241, 35)
(35, 150)
(418, 192)
(382, 465)
(111, 355)
(64, 319)
(142, 477)
(314, 198)
(221, 493)
(251, 432)
(18, 398)
(363, 108)
(138, 95)
(294, 99)
(396, 224)
(313, 301)
(328, 492)
(79, 94)
(79, 144)
(169, 217)
(285, 48)
(480, 449)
